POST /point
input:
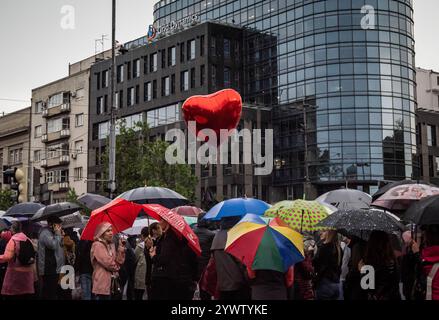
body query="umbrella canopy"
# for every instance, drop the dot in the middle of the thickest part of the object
(119, 212)
(188, 211)
(93, 201)
(155, 195)
(424, 212)
(138, 225)
(389, 186)
(237, 207)
(2, 212)
(4, 224)
(58, 209)
(403, 196)
(354, 221)
(74, 220)
(264, 247)
(301, 215)
(25, 209)
(346, 199)
(177, 223)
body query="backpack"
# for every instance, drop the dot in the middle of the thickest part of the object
(26, 254)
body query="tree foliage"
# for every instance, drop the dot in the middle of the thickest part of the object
(6, 200)
(140, 161)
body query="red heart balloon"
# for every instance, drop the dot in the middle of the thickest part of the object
(216, 111)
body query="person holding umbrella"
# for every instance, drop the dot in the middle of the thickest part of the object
(174, 270)
(50, 257)
(106, 263)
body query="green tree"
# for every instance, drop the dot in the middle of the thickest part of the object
(141, 161)
(73, 197)
(6, 200)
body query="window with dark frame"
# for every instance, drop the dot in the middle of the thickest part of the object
(182, 49)
(129, 70)
(202, 46)
(154, 89)
(202, 74)
(193, 78)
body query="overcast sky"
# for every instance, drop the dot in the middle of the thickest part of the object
(36, 49)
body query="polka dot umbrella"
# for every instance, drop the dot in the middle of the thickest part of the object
(301, 215)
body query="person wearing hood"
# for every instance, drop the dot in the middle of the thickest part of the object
(106, 261)
(50, 257)
(19, 278)
(205, 236)
(232, 280)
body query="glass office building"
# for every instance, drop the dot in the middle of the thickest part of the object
(355, 86)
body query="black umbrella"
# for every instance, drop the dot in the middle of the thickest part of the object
(25, 210)
(389, 186)
(93, 201)
(58, 209)
(3, 225)
(155, 195)
(424, 212)
(356, 221)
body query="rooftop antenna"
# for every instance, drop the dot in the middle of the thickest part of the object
(100, 46)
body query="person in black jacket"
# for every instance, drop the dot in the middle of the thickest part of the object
(174, 270)
(84, 268)
(327, 265)
(205, 236)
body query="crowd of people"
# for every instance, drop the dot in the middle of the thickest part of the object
(159, 265)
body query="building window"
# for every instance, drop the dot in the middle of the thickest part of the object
(136, 68)
(193, 78)
(202, 46)
(162, 116)
(120, 73)
(431, 136)
(227, 77)
(182, 52)
(131, 97)
(145, 64)
(214, 75)
(438, 81)
(116, 100)
(202, 75)
(77, 173)
(57, 99)
(147, 91)
(50, 176)
(226, 48)
(39, 107)
(184, 81)
(165, 87)
(105, 79)
(56, 125)
(79, 120)
(154, 89)
(100, 105)
(172, 56)
(15, 156)
(38, 131)
(120, 99)
(191, 50)
(129, 70)
(98, 80)
(213, 46)
(153, 62)
(78, 146)
(431, 166)
(37, 155)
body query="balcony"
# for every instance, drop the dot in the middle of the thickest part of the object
(53, 136)
(65, 159)
(56, 161)
(43, 163)
(58, 186)
(50, 112)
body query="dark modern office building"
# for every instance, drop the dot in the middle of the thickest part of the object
(356, 87)
(155, 77)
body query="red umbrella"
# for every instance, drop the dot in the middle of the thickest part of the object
(119, 212)
(176, 221)
(188, 211)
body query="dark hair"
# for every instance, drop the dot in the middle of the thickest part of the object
(432, 235)
(144, 232)
(16, 227)
(152, 227)
(379, 251)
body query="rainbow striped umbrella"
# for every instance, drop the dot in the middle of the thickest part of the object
(262, 246)
(301, 215)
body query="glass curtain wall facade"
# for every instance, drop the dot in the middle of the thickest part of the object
(357, 85)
